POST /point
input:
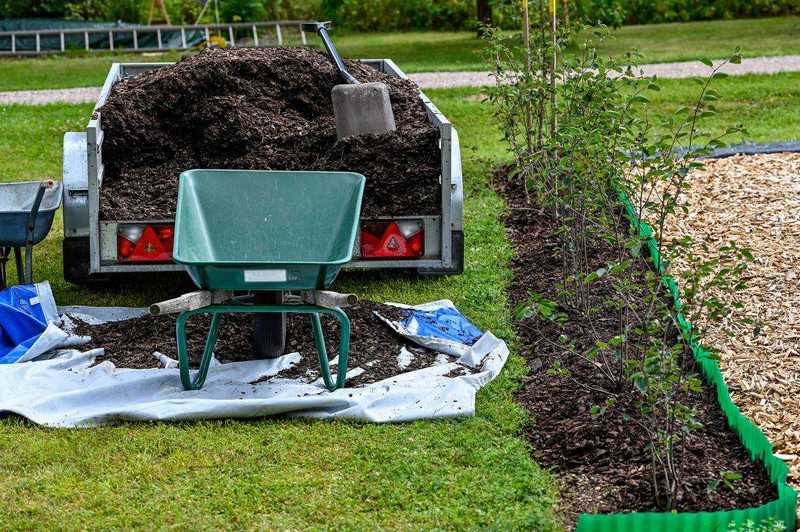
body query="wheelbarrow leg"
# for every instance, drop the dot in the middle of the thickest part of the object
(4, 251)
(183, 351)
(20, 271)
(344, 348)
(29, 262)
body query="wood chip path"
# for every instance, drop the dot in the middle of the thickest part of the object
(755, 200)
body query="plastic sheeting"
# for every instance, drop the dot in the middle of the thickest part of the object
(68, 391)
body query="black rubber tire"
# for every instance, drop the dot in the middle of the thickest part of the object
(75, 251)
(270, 329)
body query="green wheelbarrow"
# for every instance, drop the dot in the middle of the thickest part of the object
(267, 243)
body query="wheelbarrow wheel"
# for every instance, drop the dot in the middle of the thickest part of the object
(270, 329)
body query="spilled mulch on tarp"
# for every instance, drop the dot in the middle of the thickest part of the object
(755, 201)
(602, 460)
(374, 347)
(258, 108)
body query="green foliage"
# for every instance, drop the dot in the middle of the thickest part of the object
(726, 479)
(767, 525)
(582, 131)
(241, 10)
(391, 15)
(618, 12)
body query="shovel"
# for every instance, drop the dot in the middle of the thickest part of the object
(359, 108)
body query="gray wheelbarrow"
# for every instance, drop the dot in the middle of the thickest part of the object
(26, 215)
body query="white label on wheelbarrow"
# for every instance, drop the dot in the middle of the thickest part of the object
(265, 276)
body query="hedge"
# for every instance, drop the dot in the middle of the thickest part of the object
(399, 15)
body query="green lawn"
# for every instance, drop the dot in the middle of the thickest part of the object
(451, 51)
(281, 473)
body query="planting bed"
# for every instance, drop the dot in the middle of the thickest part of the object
(264, 108)
(374, 347)
(755, 200)
(603, 460)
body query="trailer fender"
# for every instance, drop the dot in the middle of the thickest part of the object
(76, 186)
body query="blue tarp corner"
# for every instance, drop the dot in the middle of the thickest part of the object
(25, 311)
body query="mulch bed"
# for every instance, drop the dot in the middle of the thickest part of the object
(263, 108)
(602, 460)
(374, 347)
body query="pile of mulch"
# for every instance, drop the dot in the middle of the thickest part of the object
(374, 346)
(258, 108)
(754, 200)
(603, 460)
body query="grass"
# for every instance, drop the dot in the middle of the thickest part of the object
(285, 473)
(452, 51)
(282, 473)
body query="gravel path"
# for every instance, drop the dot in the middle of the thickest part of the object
(442, 80)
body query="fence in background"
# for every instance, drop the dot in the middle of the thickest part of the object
(150, 38)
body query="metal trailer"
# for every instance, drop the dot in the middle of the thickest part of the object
(90, 243)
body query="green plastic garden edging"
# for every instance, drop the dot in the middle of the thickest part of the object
(784, 508)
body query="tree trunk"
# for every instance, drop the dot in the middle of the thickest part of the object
(484, 13)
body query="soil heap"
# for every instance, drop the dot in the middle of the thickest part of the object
(263, 108)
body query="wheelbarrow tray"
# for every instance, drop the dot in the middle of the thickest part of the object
(266, 230)
(16, 203)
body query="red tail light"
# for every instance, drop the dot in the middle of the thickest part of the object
(398, 239)
(144, 243)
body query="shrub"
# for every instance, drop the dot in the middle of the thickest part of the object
(581, 131)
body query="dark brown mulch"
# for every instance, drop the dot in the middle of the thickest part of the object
(603, 460)
(373, 345)
(264, 108)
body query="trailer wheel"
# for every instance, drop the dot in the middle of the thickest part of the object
(75, 251)
(270, 329)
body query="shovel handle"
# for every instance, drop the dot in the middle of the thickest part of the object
(321, 28)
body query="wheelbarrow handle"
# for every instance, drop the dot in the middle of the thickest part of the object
(27, 276)
(190, 301)
(43, 186)
(321, 29)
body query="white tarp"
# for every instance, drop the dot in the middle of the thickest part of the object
(66, 390)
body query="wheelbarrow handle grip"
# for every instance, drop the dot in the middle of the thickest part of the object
(328, 299)
(190, 301)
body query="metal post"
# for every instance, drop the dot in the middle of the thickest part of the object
(303, 36)
(158, 36)
(255, 35)
(62, 40)
(135, 40)
(38, 43)
(110, 40)
(208, 37)
(13, 43)
(230, 36)
(280, 35)
(183, 37)
(86, 39)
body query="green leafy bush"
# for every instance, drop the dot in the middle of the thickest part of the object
(618, 12)
(402, 15)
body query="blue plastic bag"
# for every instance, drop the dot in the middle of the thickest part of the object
(25, 311)
(444, 322)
